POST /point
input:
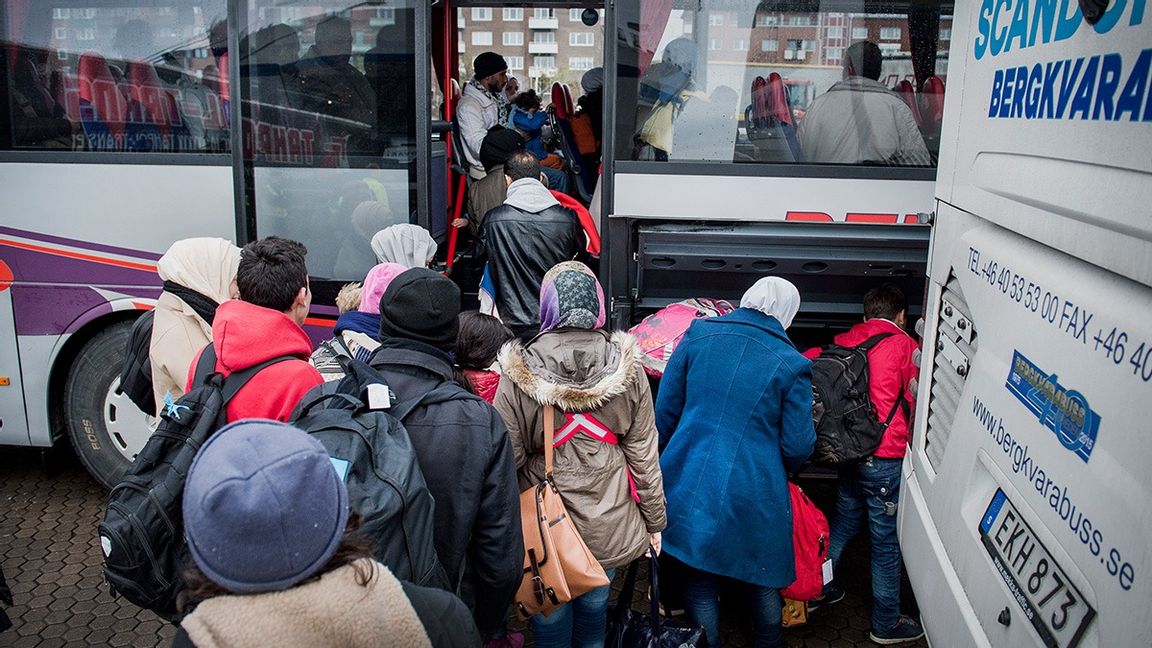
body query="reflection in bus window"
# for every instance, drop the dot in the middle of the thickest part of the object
(776, 82)
(331, 125)
(116, 78)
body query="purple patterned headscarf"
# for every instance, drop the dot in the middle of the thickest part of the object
(571, 297)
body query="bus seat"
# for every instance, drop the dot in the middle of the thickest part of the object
(65, 90)
(932, 98)
(907, 93)
(772, 131)
(453, 92)
(103, 109)
(583, 179)
(559, 105)
(569, 104)
(158, 101)
(778, 105)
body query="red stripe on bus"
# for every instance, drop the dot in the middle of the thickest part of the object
(131, 265)
(319, 321)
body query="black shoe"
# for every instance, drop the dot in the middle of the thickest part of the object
(906, 629)
(833, 593)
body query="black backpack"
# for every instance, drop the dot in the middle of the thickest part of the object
(142, 534)
(848, 428)
(136, 373)
(381, 470)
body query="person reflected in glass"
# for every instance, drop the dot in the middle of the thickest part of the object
(859, 121)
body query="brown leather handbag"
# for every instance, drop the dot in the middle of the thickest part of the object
(558, 566)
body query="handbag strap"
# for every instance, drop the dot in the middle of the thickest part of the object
(549, 439)
(654, 592)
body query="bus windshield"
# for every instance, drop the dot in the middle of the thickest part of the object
(825, 82)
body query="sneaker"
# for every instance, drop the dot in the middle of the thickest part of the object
(906, 629)
(833, 593)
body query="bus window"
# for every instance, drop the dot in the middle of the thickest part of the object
(820, 81)
(140, 77)
(330, 127)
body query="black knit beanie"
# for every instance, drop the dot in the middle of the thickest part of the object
(487, 64)
(421, 305)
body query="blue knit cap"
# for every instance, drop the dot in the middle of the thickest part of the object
(263, 507)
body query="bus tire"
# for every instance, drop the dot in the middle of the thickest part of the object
(102, 422)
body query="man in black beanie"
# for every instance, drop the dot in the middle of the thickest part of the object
(461, 444)
(482, 105)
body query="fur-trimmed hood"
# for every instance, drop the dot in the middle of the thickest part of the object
(575, 370)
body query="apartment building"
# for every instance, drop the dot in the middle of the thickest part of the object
(540, 45)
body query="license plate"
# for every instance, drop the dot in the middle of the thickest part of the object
(1050, 601)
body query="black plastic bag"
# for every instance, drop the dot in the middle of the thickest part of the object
(630, 629)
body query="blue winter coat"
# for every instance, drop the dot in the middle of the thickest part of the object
(735, 407)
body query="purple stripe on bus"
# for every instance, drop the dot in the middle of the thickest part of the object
(84, 245)
(54, 310)
(41, 267)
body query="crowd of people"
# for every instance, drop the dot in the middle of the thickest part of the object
(697, 472)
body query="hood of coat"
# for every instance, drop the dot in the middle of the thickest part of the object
(575, 370)
(867, 329)
(530, 195)
(246, 335)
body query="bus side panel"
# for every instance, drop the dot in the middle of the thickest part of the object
(13, 421)
(1048, 425)
(1049, 125)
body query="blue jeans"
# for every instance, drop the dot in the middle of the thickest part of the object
(871, 491)
(557, 179)
(701, 603)
(580, 623)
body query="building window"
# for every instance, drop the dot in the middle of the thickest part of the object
(889, 33)
(574, 15)
(582, 39)
(544, 62)
(945, 33)
(715, 44)
(834, 54)
(544, 13)
(859, 33)
(835, 32)
(513, 14)
(740, 45)
(799, 21)
(482, 38)
(481, 14)
(767, 21)
(61, 33)
(716, 20)
(769, 45)
(60, 14)
(544, 37)
(460, 46)
(513, 38)
(581, 62)
(515, 62)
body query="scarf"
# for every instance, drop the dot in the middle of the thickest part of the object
(499, 99)
(358, 322)
(775, 297)
(571, 297)
(409, 245)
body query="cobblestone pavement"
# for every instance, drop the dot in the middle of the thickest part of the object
(51, 558)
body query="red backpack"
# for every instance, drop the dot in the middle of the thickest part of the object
(810, 540)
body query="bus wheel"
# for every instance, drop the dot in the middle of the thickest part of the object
(107, 429)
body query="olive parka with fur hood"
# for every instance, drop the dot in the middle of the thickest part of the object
(595, 381)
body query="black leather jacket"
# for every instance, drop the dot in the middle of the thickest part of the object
(521, 247)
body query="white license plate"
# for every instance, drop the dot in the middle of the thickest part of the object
(1050, 601)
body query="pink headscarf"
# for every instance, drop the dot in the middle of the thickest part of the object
(375, 283)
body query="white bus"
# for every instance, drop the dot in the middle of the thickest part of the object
(1027, 509)
(128, 124)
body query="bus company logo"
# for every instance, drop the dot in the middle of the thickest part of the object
(1065, 412)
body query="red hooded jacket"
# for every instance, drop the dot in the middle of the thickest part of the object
(889, 370)
(246, 335)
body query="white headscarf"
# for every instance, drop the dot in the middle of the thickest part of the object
(206, 265)
(409, 245)
(773, 296)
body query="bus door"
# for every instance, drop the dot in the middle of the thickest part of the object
(336, 142)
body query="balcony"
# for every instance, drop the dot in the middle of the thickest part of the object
(543, 48)
(543, 23)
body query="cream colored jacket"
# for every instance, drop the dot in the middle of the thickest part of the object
(208, 266)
